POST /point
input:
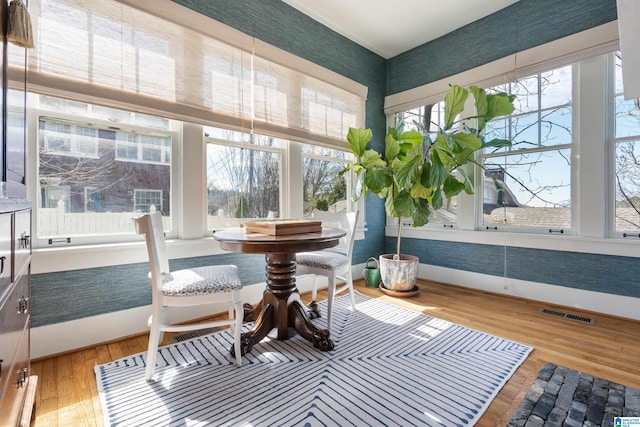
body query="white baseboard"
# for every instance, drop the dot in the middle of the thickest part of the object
(599, 302)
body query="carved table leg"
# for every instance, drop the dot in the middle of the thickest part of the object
(263, 325)
(251, 312)
(299, 320)
(281, 310)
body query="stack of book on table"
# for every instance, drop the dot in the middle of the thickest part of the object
(284, 226)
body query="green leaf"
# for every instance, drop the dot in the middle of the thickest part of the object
(468, 184)
(480, 97)
(498, 143)
(391, 146)
(420, 215)
(377, 179)
(412, 137)
(436, 200)
(454, 104)
(358, 140)
(419, 191)
(407, 174)
(403, 204)
(500, 104)
(437, 172)
(468, 140)
(425, 177)
(371, 159)
(452, 187)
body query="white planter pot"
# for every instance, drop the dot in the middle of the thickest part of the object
(399, 274)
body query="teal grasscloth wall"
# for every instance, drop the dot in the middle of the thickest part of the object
(521, 26)
(69, 295)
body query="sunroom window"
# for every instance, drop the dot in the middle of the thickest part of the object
(323, 189)
(243, 177)
(528, 186)
(94, 176)
(626, 222)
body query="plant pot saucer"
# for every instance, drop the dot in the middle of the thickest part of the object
(401, 294)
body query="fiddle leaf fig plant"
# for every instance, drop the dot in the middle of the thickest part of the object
(418, 172)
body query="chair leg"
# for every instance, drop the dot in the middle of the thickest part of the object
(155, 335)
(237, 329)
(331, 288)
(352, 295)
(314, 289)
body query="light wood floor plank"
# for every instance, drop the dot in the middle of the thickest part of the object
(610, 348)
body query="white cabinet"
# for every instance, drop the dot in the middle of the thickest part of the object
(15, 312)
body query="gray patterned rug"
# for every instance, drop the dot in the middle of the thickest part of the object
(390, 366)
(564, 397)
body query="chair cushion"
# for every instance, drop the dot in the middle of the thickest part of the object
(326, 260)
(201, 281)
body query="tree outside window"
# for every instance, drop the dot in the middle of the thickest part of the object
(528, 185)
(627, 159)
(243, 179)
(323, 189)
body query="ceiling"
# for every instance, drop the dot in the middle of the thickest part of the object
(391, 31)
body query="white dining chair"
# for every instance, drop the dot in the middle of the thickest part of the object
(187, 287)
(335, 263)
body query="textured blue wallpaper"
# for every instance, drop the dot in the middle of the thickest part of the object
(521, 26)
(592, 272)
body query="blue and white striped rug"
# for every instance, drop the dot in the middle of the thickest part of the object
(390, 367)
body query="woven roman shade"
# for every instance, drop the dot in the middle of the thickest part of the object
(157, 57)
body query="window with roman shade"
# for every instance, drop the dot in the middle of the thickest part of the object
(161, 58)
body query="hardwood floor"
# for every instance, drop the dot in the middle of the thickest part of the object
(66, 394)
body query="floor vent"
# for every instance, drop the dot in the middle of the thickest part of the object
(193, 334)
(562, 314)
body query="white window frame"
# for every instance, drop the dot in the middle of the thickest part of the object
(539, 111)
(34, 114)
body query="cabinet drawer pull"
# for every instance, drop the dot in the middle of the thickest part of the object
(25, 240)
(23, 305)
(21, 377)
(2, 259)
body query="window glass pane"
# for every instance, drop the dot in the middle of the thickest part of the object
(627, 117)
(322, 188)
(242, 183)
(529, 183)
(92, 180)
(627, 180)
(528, 190)
(555, 88)
(626, 208)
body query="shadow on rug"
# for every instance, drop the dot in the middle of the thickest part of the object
(564, 397)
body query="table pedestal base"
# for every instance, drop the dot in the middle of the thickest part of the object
(281, 308)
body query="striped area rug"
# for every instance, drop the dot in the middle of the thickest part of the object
(390, 367)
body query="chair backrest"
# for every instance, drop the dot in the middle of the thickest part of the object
(344, 221)
(150, 225)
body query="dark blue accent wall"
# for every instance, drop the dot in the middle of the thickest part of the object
(521, 26)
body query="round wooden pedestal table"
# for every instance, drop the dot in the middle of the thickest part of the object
(281, 307)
